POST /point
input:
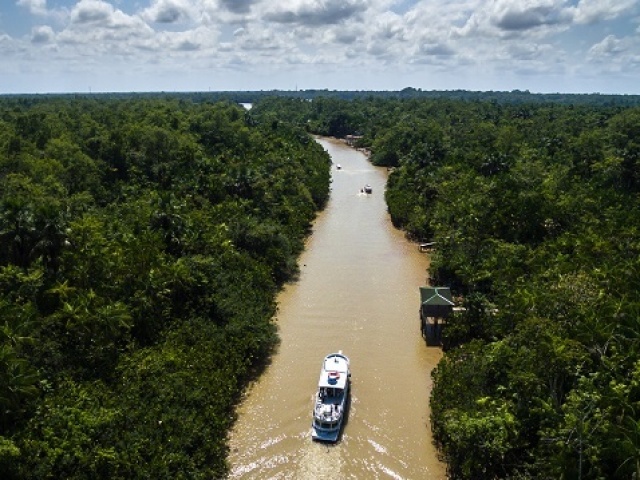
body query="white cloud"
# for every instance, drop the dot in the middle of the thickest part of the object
(8, 49)
(96, 28)
(238, 6)
(593, 11)
(532, 52)
(97, 14)
(5, 40)
(92, 11)
(314, 13)
(610, 46)
(520, 16)
(388, 26)
(437, 49)
(343, 36)
(37, 7)
(614, 56)
(510, 18)
(42, 34)
(168, 11)
(265, 40)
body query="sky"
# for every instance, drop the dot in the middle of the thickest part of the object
(544, 46)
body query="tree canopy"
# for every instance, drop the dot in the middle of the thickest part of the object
(143, 240)
(142, 243)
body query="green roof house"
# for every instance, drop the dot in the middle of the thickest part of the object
(435, 302)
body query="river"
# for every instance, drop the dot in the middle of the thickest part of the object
(357, 292)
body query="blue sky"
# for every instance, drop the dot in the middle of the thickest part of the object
(567, 46)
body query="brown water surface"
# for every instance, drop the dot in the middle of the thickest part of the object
(357, 292)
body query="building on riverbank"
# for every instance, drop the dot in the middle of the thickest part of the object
(351, 140)
(436, 304)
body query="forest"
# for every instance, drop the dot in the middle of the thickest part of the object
(143, 240)
(534, 210)
(142, 243)
(244, 96)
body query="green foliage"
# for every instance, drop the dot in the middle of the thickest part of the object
(71, 435)
(548, 239)
(483, 440)
(142, 243)
(421, 141)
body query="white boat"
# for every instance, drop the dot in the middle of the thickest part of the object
(332, 398)
(367, 188)
(339, 167)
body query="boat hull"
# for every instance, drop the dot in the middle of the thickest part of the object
(325, 436)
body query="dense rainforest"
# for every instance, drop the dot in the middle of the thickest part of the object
(143, 239)
(142, 243)
(534, 209)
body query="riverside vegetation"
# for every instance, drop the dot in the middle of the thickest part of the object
(534, 208)
(142, 243)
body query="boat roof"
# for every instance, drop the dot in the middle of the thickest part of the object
(335, 362)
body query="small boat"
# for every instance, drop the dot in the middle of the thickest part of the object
(339, 167)
(367, 188)
(331, 398)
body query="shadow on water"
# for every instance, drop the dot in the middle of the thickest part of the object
(257, 369)
(432, 334)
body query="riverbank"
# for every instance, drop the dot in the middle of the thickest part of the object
(357, 292)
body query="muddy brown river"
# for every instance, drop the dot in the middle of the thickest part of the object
(357, 292)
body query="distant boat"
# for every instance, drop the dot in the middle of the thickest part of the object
(367, 188)
(339, 167)
(331, 398)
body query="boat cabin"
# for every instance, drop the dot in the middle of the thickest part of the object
(329, 393)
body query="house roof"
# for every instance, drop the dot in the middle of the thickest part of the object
(436, 302)
(436, 296)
